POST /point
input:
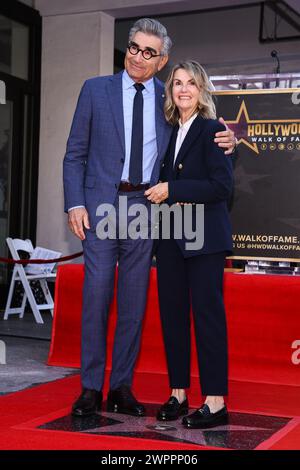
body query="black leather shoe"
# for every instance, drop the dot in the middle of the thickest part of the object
(172, 409)
(88, 403)
(203, 418)
(121, 400)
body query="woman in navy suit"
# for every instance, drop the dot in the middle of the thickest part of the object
(196, 172)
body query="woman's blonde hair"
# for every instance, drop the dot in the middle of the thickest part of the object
(206, 106)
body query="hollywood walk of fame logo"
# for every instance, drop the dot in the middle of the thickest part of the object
(244, 431)
(260, 134)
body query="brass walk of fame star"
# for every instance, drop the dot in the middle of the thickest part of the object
(240, 126)
(147, 427)
(244, 431)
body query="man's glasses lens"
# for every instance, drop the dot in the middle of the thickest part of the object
(134, 50)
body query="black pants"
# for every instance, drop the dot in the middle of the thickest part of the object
(198, 282)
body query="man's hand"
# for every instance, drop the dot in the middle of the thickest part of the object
(78, 218)
(226, 139)
(158, 193)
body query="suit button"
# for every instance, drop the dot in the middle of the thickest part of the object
(180, 166)
(116, 186)
(162, 165)
(122, 160)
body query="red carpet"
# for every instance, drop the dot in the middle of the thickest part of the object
(263, 315)
(263, 322)
(22, 413)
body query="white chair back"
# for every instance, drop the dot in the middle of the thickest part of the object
(20, 275)
(16, 244)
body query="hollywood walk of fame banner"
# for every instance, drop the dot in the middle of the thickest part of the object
(265, 206)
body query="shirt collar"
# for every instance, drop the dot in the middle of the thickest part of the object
(188, 123)
(129, 83)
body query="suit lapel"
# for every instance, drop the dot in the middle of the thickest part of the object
(193, 133)
(163, 130)
(169, 159)
(115, 96)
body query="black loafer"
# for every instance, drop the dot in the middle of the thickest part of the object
(123, 401)
(172, 409)
(88, 403)
(203, 418)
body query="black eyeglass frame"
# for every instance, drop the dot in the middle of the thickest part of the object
(137, 49)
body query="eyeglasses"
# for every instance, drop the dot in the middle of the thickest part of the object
(147, 54)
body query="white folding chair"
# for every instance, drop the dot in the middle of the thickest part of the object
(19, 274)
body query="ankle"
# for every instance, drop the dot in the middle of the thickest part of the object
(179, 393)
(215, 403)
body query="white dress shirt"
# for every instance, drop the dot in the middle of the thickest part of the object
(182, 132)
(149, 128)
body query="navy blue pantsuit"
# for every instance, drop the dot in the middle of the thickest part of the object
(193, 279)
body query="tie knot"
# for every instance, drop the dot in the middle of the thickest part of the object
(139, 86)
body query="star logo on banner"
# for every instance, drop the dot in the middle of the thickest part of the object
(295, 223)
(240, 127)
(279, 129)
(243, 180)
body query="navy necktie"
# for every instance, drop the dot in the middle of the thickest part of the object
(136, 154)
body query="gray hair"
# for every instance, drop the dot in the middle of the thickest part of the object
(154, 27)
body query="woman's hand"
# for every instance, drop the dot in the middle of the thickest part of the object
(158, 193)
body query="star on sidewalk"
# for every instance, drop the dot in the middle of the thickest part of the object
(244, 431)
(148, 428)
